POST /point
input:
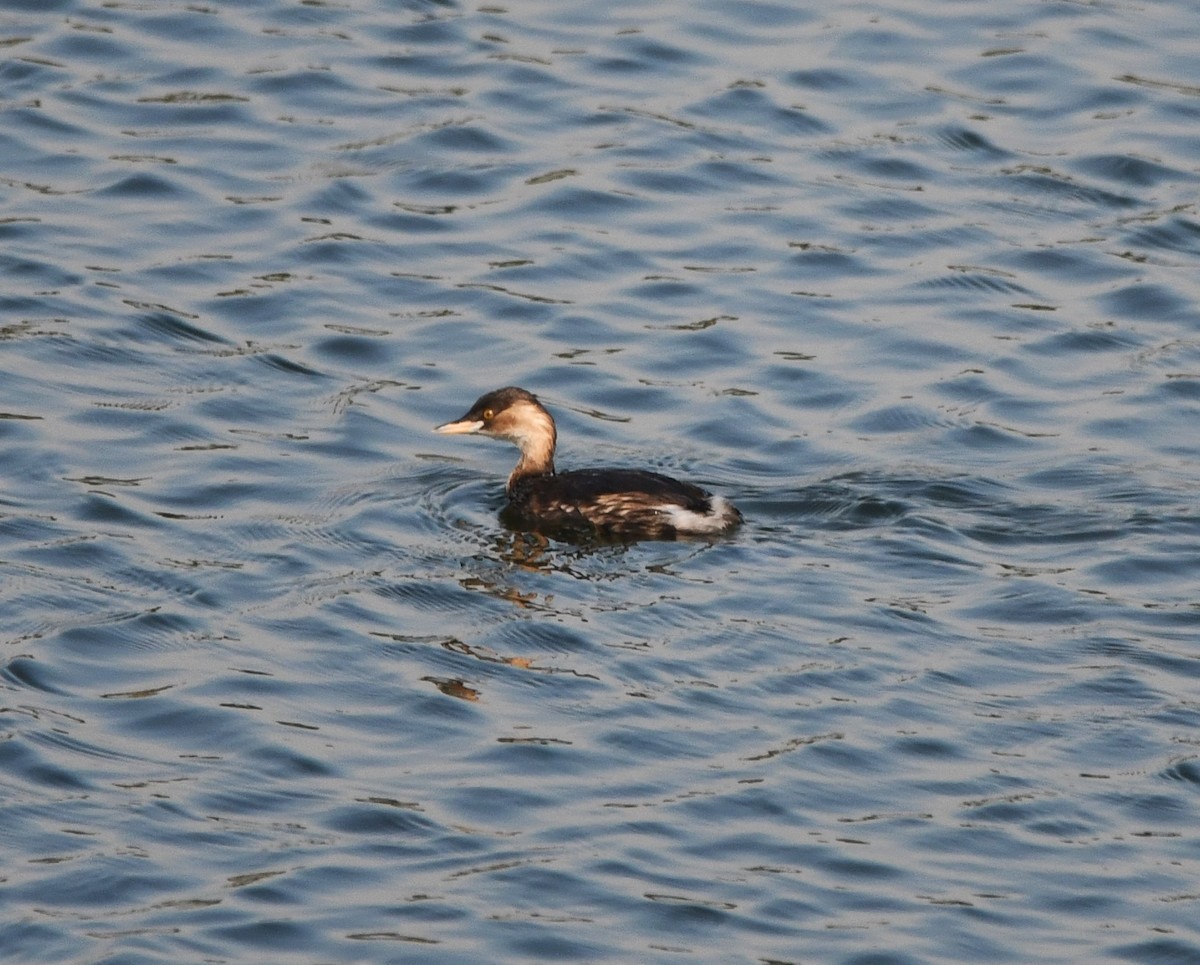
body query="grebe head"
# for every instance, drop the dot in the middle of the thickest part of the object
(517, 416)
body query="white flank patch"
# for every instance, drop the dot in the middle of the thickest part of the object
(718, 519)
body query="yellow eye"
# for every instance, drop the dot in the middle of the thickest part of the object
(487, 415)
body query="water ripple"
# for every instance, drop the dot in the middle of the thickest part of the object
(914, 288)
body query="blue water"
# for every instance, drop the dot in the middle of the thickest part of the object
(914, 284)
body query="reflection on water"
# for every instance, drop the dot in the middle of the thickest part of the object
(914, 285)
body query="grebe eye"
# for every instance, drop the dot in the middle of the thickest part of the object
(487, 415)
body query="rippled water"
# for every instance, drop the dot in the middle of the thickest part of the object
(915, 284)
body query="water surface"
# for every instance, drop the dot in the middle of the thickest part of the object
(915, 284)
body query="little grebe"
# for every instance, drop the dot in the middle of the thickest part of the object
(617, 503)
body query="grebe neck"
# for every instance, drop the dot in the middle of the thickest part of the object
(533, 431)
(529, 466)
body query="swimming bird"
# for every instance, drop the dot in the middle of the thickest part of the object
(613, 503)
